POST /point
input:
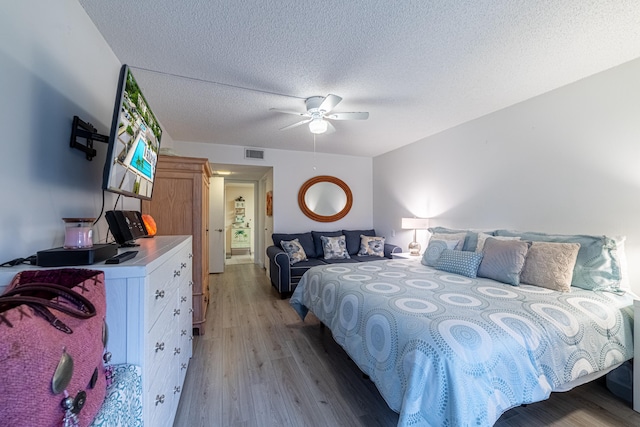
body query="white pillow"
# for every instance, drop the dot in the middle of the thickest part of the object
(482, 237)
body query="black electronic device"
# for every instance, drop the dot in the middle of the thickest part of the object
(126, 226)
(134, 142)
(58, 257)
(117, 259)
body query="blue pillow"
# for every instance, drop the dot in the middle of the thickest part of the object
(597, 267)
(465, 263)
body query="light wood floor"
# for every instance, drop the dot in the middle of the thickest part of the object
(259, 365)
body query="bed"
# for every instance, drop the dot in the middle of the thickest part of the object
(445, 349)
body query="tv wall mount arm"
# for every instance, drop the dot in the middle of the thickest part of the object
(82, 129)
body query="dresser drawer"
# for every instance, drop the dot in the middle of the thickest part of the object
(163, 288)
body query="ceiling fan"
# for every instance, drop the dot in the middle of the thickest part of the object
(319, 113)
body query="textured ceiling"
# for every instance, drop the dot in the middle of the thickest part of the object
(211, 69)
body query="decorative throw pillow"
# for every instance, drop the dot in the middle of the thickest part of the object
(464, 263)
(371, 246)
(503, 260)
(295, 250)
(335, 247)
(453, 236)
(435, 248)
(482, 237)
(550, 265)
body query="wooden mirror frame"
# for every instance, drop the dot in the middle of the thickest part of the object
(324, 218)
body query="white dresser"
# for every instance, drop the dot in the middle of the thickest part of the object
(149, 315)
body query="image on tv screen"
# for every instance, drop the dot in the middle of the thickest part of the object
(136, 144)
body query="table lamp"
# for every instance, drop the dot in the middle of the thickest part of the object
(415, 224)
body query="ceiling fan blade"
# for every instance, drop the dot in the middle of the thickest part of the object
(297, 113)
(347, 116)
(330, 128)
(329, 103)
(296, 124)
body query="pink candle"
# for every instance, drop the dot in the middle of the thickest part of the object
(78, 233)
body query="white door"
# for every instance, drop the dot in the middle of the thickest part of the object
(216, 225)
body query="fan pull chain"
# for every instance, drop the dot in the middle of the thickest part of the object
(314, 151)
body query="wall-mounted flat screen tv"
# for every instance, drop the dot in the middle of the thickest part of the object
(134, 142)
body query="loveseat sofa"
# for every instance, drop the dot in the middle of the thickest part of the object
(285, 275)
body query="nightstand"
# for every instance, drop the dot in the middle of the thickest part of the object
(406, 255)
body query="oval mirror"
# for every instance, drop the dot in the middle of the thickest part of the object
(325, 198)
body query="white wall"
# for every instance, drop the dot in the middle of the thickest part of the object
(563, 162)
(54, 64)
(290, 170)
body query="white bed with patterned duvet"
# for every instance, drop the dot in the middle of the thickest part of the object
(447, 349)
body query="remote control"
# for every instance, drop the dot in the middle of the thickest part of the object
(117, 259)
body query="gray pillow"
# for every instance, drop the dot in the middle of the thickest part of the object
(503, 260)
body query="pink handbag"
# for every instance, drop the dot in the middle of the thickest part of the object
(52, 333)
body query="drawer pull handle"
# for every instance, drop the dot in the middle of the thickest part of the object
(176, 273)
(159, 399)
(183, 332)
(176, 351)
(183, 299)
(183, 366)
(176, 312)
(183, 265)
(159, 346)
(159, 294)
(176, 390)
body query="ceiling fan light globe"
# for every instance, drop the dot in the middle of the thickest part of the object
(318, 126)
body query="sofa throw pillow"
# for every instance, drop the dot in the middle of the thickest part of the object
(550, 265)
(335, 247)
(317, 240)
(353, 239)
(435, 248)
(459, 237)
(371, 246)
(295, 250)
(503, 260)
(464, 263)
(482, 237)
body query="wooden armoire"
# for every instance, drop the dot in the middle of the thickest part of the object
(180, 206)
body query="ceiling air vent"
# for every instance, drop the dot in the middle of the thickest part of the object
(252, 153)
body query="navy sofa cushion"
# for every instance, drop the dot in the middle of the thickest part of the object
(305, 239)
(353, 239)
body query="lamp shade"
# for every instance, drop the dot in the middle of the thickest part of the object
(415, 223)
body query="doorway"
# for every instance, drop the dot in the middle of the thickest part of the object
(261, 180)
(240, 199)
